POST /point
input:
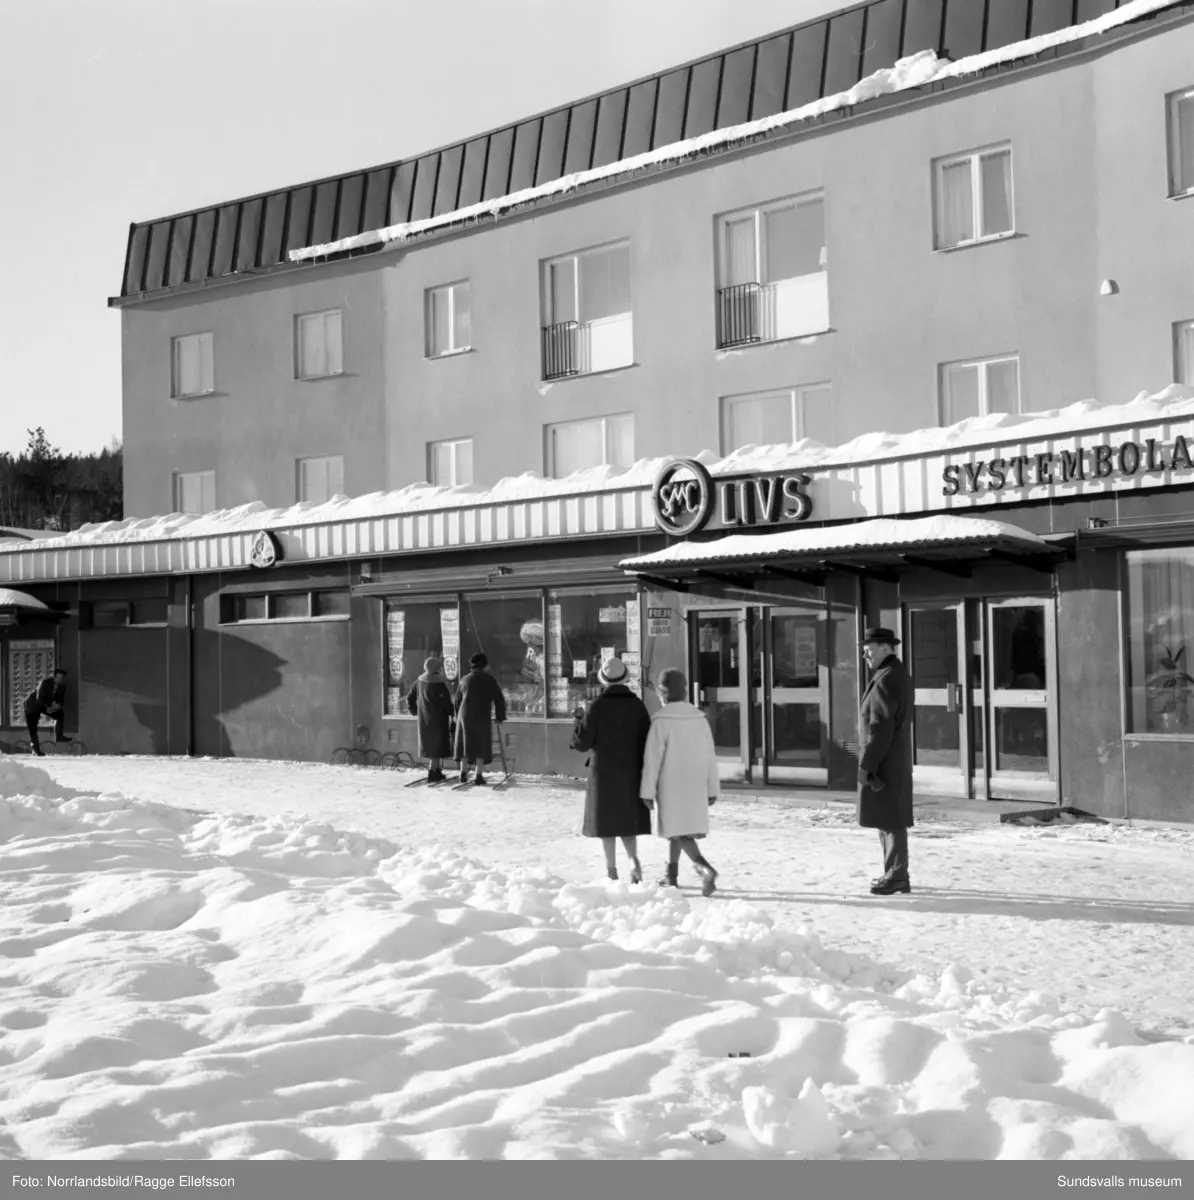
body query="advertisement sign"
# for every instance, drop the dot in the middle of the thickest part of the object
(686, 498)
(449, 631)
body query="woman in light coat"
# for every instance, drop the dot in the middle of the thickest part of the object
(680, 778)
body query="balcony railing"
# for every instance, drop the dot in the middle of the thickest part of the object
(561, 350)
(739, 315)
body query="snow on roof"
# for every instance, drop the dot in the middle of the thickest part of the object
(883, 533)
(1169, 404)
(916, 71)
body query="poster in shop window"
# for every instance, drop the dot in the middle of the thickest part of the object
(614, 615)
(634, 679)
(804, 652)
(395, 643)
(633, 629)
(449, 632)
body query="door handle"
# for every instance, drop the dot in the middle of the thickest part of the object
(953, 697)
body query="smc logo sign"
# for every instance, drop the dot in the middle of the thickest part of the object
(687, 498)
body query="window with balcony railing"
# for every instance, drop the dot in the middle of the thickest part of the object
(773, 281)
(588, 323)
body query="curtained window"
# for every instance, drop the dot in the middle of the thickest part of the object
(449, 320)
(319, 479)
(778, 418)
(192, 370)
(974, 197)
(1181, 142)
(602, 441)
(450, 464)
(1160, 636)
(317, 345)
(978, 388)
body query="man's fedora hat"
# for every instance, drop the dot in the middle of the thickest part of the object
(880, 633)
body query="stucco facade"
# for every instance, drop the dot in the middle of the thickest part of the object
(1089, 158)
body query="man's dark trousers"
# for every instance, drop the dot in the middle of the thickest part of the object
(895, 854)
(31, 723)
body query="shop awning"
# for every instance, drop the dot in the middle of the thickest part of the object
(20, 607)
(880, 548)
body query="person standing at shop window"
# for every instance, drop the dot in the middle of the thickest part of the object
(47, 699)
(431, 701)
(479, 700)
(614, 732)
(885, 758)
(680, 778)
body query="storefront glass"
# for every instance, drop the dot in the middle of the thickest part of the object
(1160, 632)
(583, 629)
(415, 630)
(508, 629)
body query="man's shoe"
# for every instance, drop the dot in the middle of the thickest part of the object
(888, 887)
(64, 738)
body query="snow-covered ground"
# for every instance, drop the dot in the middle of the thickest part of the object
(199, 961)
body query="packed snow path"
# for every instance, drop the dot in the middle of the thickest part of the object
(183, 983)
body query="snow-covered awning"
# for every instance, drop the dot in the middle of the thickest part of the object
(868, 547)
(16, 607)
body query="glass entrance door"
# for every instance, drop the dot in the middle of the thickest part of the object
(719, 684)
(796, 694)
(940, 749)
(1021, 713)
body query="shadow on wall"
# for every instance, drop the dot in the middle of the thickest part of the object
(244, 672)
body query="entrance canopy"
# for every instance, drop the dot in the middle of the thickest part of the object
(878, 548)
(21, 608)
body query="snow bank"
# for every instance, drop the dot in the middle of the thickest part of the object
(208, 986)
(1170, 404)
(916, 71)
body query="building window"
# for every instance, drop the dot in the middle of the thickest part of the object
(978, 388)
(773, 280)
(600, 441)
(584, 628)
(194, 491)
(317, 346)
(240, 607)
(509, 630)
(29, 662)
(319, 479)
(121, 614)
(449, 319)
(1161, 640)
(974, 197)
(778, 418)
(450, 464)
(192, 366)
(588, 324)
(1181, 143)
(1183, 352)
(414, 632)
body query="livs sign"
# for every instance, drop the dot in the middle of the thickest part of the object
(686, 498)
(1067, 466)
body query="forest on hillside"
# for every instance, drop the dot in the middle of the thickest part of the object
(42, 488)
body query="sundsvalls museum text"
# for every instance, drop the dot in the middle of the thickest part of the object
(155, 1183)
(1067, 466)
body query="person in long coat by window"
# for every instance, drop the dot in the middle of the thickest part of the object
(885, 758)
(614, 733)
(478, 697)
(431, 701)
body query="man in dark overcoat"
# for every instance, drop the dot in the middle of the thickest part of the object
(479, 699)
(614, 732)
(431, 701)
(48, 698)
(885, 758)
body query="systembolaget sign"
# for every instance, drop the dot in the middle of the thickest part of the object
(1097, 462)
(686, 498)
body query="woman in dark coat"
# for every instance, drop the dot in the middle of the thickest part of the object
(431, 701)
(885, 758)
(478, 695)
(614, 731)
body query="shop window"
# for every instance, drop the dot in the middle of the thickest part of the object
(415, 630)
(773, 280)
(584, 628)
(29, 662)
(449, 319)
(600, 441)
(778, 418)
(509, 630)
(974, 197)
(329, 604)
(1161, 641)
(319, 479)
(194, 491)
(118, 614)
(148, 612)
(588, 321)
(450, 463)
(109, 614)
(979, 388)
(192, 366)
(1183, 352)
(290, 606)
(317, 346)
(1181, 143)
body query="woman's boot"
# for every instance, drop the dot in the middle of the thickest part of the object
(672, 878)
(708, 876)
(611, 872)
(636, 871)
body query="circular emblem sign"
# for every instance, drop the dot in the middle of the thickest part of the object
(265, 550)
(682, 496)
